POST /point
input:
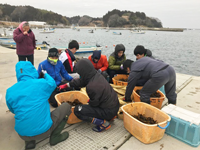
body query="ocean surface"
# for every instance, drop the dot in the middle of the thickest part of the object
(179, 49)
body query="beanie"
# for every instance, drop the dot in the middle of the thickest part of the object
(53, 52)
(139, 49)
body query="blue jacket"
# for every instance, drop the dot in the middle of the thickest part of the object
(28, 100)
(55, 71)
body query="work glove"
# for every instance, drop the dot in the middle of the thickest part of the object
(99, 71)
(88, 100)
(121, 67)
(64, 86)
(42, 73)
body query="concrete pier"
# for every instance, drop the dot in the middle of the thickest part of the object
(81, 135)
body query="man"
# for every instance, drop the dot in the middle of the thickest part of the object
(140, 52)
(103, 104)
(156, 73)
(28, 100)
(67, 58)
(55, 69)
(100, 63)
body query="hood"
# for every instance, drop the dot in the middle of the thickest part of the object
(21, 26)
(25, 71)
(119, 47)
(85, 69)
(96, 55)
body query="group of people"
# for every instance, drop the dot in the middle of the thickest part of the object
(30, 97)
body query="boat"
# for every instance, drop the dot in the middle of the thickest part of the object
(91, 31)
(47, 30)
(138, 31)
(4, 35)
(107, 28)
(84, 49)
(117, 33)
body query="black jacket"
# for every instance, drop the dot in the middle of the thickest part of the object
(100, 92)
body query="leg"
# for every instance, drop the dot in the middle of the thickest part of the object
(31, 59)
(106, 76)
(52, 99)
(111, 73)
(21, 58)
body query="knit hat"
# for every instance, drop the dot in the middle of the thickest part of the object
(139, 49)
(53, 52)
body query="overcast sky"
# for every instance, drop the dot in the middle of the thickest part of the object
(172, 13)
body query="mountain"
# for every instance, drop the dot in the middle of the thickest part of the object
(114, 18)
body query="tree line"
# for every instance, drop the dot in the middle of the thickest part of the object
(114, 18)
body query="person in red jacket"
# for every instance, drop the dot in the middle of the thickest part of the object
(25, 41)
(99, 62)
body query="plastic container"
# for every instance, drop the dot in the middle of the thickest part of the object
(120, 76)
(144, 132)
(154, 101)
(184, 125)
(65, 96)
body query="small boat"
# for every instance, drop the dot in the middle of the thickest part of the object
(4, 35)
(84, 49)
(138, 31)
(117, 33)
(47, 30)
(91, 31)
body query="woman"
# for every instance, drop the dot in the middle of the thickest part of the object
(25, 41)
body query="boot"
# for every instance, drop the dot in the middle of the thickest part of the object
(30, 144)
(56, 136)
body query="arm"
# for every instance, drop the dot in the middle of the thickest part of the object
(132, 80)
(34, 44)
(8, 104)
(39, 68)
(94, 97)
(64, 73)
(51, 84)
(112, 65)
(77, 83)
(18, 37)
(105, 64)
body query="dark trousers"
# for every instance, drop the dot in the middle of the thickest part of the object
(87, 113)
(112, 73)
(166, 77)
(28, 57)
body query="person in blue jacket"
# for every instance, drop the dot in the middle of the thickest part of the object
(28, 100)
(56, 70)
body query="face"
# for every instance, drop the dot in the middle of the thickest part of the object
(138, 56)
(120, 53)
(73, 50)
(53, 58)
(26, 28)
(96, 60)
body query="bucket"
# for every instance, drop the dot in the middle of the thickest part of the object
(146, 133)
(120, 76)
(154, 101)
(65, 96)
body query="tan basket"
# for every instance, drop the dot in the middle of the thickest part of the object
(154, 101)
(120, 76)
(65, 96)
(144, 132)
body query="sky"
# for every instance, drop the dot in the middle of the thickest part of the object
(172, 13)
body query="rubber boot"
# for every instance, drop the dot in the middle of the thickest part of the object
(56, 136)
(30, 144)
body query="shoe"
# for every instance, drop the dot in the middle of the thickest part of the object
(30, 144)
(100, 128)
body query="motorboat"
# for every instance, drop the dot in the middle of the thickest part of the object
(117, 33)
(137, 31)
(47, 30)
(91, 31)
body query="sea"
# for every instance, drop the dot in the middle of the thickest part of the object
(179, 49)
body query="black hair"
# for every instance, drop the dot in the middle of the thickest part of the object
(127, 64)
(73, 44)
(139, 49)
(53, 52)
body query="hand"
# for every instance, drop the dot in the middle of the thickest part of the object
(64, 86)
(121, 67)
(88, 101)
(44, 71)
(25, 32)
(99, 71)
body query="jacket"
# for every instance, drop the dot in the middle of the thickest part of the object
(28, 100)
(100, 92)
(55, 71)
(25, 43)
(101, 64)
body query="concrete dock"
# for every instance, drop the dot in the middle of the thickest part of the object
(81, 135)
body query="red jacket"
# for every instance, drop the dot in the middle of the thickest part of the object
(102, 63)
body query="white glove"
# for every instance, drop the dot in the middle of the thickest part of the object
(121, 67)
(44, 72)
(99, 71)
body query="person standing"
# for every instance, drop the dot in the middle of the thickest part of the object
(25, 41)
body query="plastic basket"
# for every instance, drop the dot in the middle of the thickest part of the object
(65, 96)
(144, 132)
(154, 101)
(120, 76)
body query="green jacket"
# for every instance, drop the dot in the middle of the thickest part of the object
(114, 64)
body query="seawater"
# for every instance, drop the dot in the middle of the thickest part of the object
(179, 49)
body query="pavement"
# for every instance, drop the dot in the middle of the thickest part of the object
(81, 135)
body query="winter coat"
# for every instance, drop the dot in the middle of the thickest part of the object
(28, 100)
(100, 92)
(55, 71)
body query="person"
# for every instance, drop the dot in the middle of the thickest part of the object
(25, 41)
(116, 60)
(140, 52)
(103, 103)
(157, 73)
(55, 69)
(67, 58)
(99, 62)
(28, 100)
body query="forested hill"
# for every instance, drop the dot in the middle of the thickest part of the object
(114, 18)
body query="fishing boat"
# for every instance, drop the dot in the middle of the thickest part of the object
(117, 33)
(91, 31)
(137, 31)
(47, 30)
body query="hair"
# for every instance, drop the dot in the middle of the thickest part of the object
(139, 49)
(73, 44)
(25, 24)
(127, 64)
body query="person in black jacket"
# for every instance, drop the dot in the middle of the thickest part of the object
(103, 103)
(67, 58)
(140, 52)
(157, 73)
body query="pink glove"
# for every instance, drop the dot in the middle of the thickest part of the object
(88, 100)
(64, 86)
